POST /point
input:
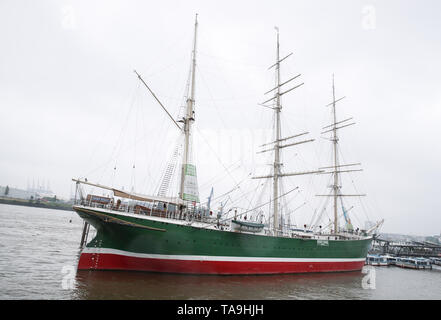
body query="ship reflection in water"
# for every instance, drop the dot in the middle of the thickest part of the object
(140, 285)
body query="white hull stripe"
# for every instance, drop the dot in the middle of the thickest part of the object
(213, 258)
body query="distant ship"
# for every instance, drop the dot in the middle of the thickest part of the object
(179, 235)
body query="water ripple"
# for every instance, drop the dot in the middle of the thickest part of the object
(37, 243)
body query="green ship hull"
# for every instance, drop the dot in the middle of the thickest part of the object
(126, 241)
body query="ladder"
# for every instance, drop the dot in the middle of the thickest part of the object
(168, 174)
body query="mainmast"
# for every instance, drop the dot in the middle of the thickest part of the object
(277, 110)
(188, 119)
(280, 142)
(335, 141)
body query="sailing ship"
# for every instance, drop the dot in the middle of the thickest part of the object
(158, 233)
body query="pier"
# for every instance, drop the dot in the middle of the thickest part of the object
(408, 249)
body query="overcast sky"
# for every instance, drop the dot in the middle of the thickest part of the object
(71, 106)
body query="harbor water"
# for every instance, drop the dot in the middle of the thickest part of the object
(39, 251)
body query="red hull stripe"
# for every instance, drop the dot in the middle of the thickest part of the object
(112, 261)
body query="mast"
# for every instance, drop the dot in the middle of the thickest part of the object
(335, 141)
(280, 142)
(188, 183)
(188, 119)
(336, 166)
(277, 110)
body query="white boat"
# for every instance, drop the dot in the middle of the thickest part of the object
(391, 260)
(376, 260)
(413, 263)
(435, 261)
(237, 225)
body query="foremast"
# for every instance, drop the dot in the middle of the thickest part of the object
(188, 120)
(188, 180)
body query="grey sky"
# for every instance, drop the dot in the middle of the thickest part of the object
(67, 86)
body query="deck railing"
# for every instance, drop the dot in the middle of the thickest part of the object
(188, 214)
(197, 215)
